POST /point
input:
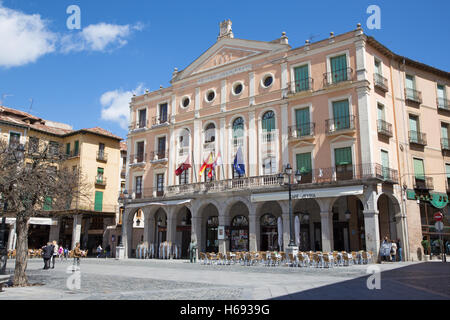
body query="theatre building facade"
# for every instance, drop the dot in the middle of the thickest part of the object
(205, 153)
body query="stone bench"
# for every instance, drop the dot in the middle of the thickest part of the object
(3, 280)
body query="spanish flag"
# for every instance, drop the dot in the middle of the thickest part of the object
(207, 164)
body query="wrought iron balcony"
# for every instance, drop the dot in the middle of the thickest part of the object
(443, 104)
(412, 95)
(423, 183)
(445, 144)
(337, 76)
(141, 124)
(418, 138)
(161, 120)
(384, 128)
(102, 156)
(301, 85)
(340, 124)
(380, 82)
(301, 131)
(101, 181)
(156, 156)
(138, 158)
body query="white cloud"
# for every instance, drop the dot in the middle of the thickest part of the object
(116, 105)
(98, 37)
(24, 38)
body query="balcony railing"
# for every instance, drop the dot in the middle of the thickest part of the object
(183, 151)
(159, 155)
(101, 181)
(102, 156)
(72, 154)
(423, 183)
(301, 131)
(156, 121)
(301, 85)
(337, 175)
(139, 125)
(445, 144)
(384, 128)
(123, 174)
(138, 158)
(209, 146)
(337, 76)
(340, 124)
(418, 138)
(413, 95)
(380, 82)
(443, 104)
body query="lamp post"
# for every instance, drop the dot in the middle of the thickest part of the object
(298, 177)
(120, 250)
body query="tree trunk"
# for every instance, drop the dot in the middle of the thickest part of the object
(20, 278)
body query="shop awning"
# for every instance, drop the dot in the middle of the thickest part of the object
(36, 221)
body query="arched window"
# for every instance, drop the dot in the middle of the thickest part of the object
(268, 220)
(268, 121)
(210, 133)
(183, 142)
(238, 132)
(239, 221)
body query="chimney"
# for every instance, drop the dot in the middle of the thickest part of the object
(225, 30)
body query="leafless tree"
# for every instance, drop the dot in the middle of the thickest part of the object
(31, 177)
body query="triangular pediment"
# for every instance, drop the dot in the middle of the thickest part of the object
(342, 138)
(303, 144)
(227, 52)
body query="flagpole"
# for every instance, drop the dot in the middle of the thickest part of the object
(193, 165)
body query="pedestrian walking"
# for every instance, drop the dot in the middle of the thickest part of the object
(193, 251)
(66, 253)
(61, 253)
(393, 251)
(99, 251)
(55, 253)
(47, 252)
(385, 250)
(399, 251)
(76, 254)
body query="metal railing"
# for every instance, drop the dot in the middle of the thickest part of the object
(337, 76)
(300, 85)
(445, 145)
(419, 138)
(102, 156)
(138, 158)
(139, 125)
(165, 119)
(101, 181)
(380, 82)
(443, 104)
(384, 128)
(158, 155)
(413, 95)
(423, 183)
(339, 124)
(301, 130)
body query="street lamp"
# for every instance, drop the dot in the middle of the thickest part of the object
(123, 198)
(298, 177)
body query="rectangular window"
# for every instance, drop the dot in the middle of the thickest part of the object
(304, 166)
(444, 136)
(447, 170)
(68, 149)
(378, 67)
(160, 185)
(381, 113)
(385, 164)
(414, 128)
(270, 166)
(138, 187)
(53, 148)
(98, 206)
(142, 118)
(339, 69)
(442, 97)
(301, 75)
(76, 148)
(302, 118)
(184, 177)
(100, 172)
(343, 162)
(341, 114)
(101, 151)
(410, 82)
(14, 140)
(161, 147)
(48, 203)
(140, 152)
(163, 113)
(419, 169)
(33, 145)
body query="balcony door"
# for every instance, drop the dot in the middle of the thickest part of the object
(343, 162)
(304, 166)
(442, 99)
(444, 135)
(163, 113)
(338, 68)
(341, 115)
(140, 152)
(161, 147)
(419, 172)
(385, 164)
(301, 78)
(138, 187)
(414, 128)
(101, 150)
(142, 118)
(160, 185)
(302, 118)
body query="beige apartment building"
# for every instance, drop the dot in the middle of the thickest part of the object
(348, 114)
(95, 152)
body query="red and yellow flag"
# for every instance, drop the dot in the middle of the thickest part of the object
(207, 164)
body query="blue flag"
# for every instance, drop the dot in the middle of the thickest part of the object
(239, 165)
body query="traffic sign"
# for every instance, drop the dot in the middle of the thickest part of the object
(438, 216)
(439, 226)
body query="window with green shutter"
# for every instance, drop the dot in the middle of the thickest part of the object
(68, 149)
(98, 206)
(304, 162)
(100, 172)
(444, 135)
(76, 148)
(268, 121)
(343, 156)
(303, 122)
(385, 163)
(48, 203)
(339, 68)
(419, 169)
(301, 78)
(341, 114)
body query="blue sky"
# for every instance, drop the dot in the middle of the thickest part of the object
(73, 74)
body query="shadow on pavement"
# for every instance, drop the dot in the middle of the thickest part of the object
(423, 281)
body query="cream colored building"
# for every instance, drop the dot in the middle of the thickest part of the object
(96, 153)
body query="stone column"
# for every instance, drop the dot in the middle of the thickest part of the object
(224, 245)
(127, 233)
(286, 229)
(171, 224)
(196, 232)
(12, 237)
(326, 220)
(87, 225)
(76, 230)
(252, 144)
(371, 221)
(54, 230)
(253, 246)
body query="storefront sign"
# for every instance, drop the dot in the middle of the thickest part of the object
(309, 194)
(438, 200)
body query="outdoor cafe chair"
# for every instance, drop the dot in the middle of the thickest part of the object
(274, 259)
(203, 258)
(292, 261)
(327, 260)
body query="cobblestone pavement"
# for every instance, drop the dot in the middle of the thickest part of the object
(179, 280)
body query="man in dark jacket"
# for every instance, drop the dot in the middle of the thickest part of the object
(47, 254)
